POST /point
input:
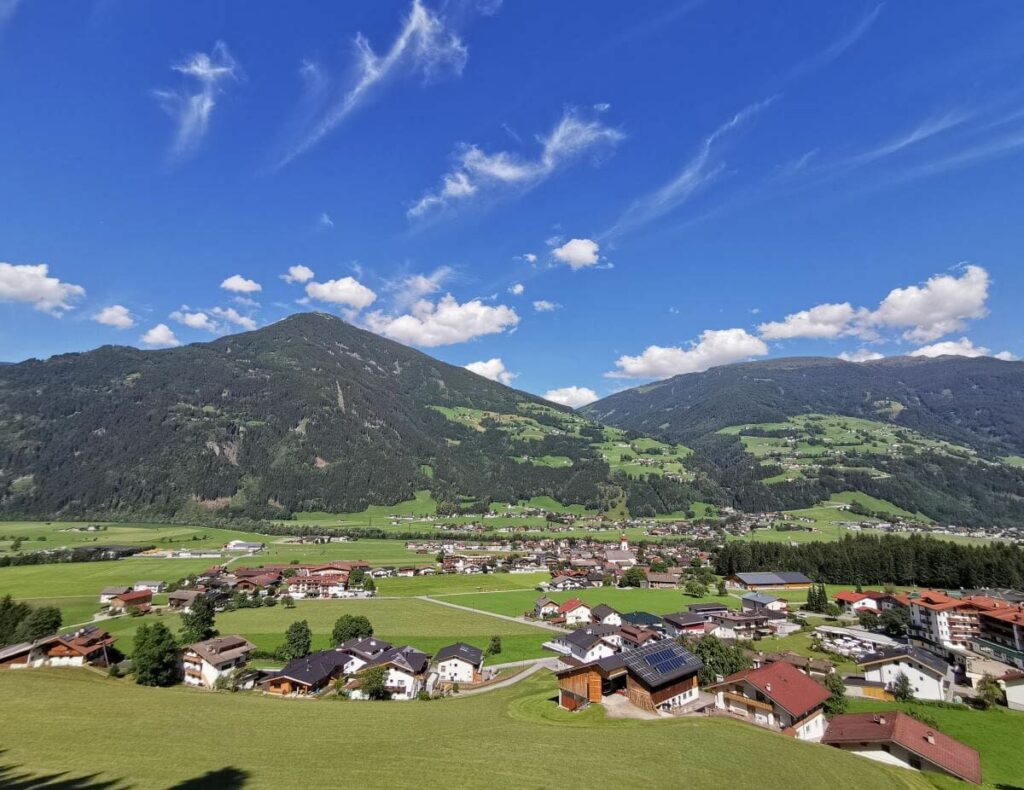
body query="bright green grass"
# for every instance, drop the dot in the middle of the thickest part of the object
(1014, 460)
(422, 504)
(875, 505)
(622, 599)
(423, 624)
(80, 579)
(552, 461)
(376, 552)
(443, 584)
(998, 734)
(512, 738)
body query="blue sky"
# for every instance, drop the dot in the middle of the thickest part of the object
(572, 197)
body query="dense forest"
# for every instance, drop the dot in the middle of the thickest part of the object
(917, 560)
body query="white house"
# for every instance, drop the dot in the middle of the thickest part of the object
(591, 643)
(406, 670)
(575, 612)
(206, 662)
(605, 615)
(150, 586)
(1013, 685)
(930, 676)
(764, 603)
(460, 663)
(107, 594)
(360, 652)
(545, 607)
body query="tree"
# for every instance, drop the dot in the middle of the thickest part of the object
(895, 621)
(494, 648)
(288, 601)
(695, 589)
(990, 693)
(721, 587)
(867, 619)
(836, 702)
(350, 626)
(11, 614)
(298, 640)
(197, 623)
(40, 622)
(833, 610)
(634, 577)
(902, 689)
(355, 577)
(720, 659)
(369, 585)
(374, 683)
(156, 661)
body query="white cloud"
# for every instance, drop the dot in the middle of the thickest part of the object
(698, 172)
(529, 257)
(298, 274)
(517, 289)
(195, 320)
(160, 336)
(191, 108)
(346, 290)
(493, 369)
(412, 288)
(715, 347)
(963, 347)
(117, 316)
(425, 45)
(33, 285)
(446, 322)
(544, 306)
(861, 355)
(574, 397)
(822, 321)
(325, 221)
(578, 253)
(477, 171)
(232, 316)
(240, 284)
(941, 305)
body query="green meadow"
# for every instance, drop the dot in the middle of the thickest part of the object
(514, 738)
(629, 599)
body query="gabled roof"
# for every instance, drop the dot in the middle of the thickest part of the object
(365, 647)
(783, 684)
(140, 596)
(114, 590)
(602, 610)
(782, 577)
(407, 658)
(706, 607)
(643, 619)
(460, 650)
(684, 619)
(906, 653)
(662, 662)
(544, 601)
(570, 605)
(760, 597)
(584, 638)
(315, 668)
(917, 737)
(221, 649)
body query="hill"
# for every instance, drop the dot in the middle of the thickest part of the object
(309, 413)
(938, 437)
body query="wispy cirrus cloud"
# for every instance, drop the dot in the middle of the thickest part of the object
(477, 173)
(192, 107)
(7, 9)
(425, 45)
(838, 47)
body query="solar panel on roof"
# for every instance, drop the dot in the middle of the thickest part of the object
(661, 655)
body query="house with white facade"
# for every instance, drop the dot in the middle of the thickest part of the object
(575, 612)
(605, 615)
(460, 663)
(406, 673)
(930, 676)
(590, 643)
(206, 662)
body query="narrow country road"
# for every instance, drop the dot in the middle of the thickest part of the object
(523, 620)
(544, 663)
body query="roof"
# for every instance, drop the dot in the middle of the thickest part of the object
(407, 658)
(662, 662)
(949, 754)
(706, 607)
(644, 619)
(662, 578)
(468, 653)
(602, 610)
(571, 604)
(141, 595)
(905, 652)
(314, 668)
(785, 685)
(114, 590)
(221, 649)
(584, 638)
(684, 619)
(365, 646)
(544, 601)
(759, 597)
(783, 577)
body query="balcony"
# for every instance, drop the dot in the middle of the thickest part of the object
(998, 648)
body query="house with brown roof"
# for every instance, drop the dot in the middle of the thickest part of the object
(894, 738)
(89, 646)
(140, 599)
(206, 662)
(777, 696)
(544, 607)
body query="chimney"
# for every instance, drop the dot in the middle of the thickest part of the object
(930, 737)
(881, 719)
(768, 687)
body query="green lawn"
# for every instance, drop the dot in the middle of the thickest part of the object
(622, 599)
(79, 579)
(425, 625)
(514, 738)
(998, 734)
(448, 584)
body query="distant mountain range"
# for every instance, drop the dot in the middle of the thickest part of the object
(313, 414)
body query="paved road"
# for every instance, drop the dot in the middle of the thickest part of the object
(524, 620)
(544, 663)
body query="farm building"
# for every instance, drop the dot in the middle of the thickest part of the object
(786, 580)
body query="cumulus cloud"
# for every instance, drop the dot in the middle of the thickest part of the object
(160, 336)
(544, 306)
(410, 289)
(431, 324)
(195, 320)
(346, 291)
(298, 274)
(493, 369)
(715, 347)
(822, 321)
(191, 108)
(517, 289)
(239, 284)
(117, 316)
(574, 397)
(861, 355)
(939, 306)
(425, 45)
(964, 347)
(578, 253)
(477, 172)
(33, 285)
(530, 257)
(232, 316)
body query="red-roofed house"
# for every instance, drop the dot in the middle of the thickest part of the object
(777, 696)
(575, 612)
(140, 600)
(859, 602)
(895, 738)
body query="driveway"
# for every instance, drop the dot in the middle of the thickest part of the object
(523, 620)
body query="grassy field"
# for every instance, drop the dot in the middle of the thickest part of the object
(451, 584)
(425, 625)
(81, 579)
(513, 738)
(998, 734)
(622, 599)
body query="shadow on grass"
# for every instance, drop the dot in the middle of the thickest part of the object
(12, 777)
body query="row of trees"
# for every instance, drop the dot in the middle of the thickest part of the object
(22, 622)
